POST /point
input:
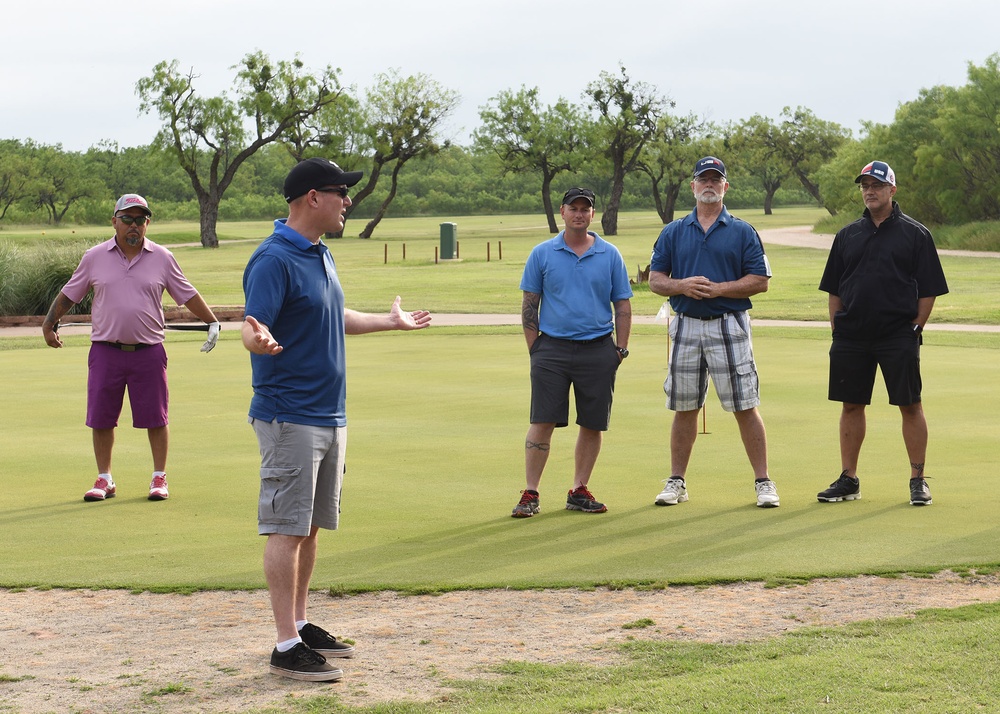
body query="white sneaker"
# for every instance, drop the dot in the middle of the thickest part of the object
(767, 494)
(158, 489)
(674, 492)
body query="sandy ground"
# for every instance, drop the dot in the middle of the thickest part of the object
(115, 651)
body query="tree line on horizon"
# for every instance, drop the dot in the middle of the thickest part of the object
(226, 156)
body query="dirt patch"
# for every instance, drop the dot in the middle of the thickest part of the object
(114, 651)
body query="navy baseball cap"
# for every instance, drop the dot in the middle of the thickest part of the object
(709, 163)
(317, 173)
(575, 193)
(878, 170)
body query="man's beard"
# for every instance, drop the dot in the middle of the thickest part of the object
(710, 197)
(133, 240)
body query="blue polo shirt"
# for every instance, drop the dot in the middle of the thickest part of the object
(291, 285)
(577, 291)
(729, 250)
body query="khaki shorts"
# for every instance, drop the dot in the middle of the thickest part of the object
(301, 476)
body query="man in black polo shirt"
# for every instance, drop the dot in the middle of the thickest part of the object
(883, 274)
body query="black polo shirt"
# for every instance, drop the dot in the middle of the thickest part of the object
(880, 272)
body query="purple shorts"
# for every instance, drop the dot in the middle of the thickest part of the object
(143, 373)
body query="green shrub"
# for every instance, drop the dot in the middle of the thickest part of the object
(31, 277)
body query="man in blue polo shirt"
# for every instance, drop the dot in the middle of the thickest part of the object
(709, 263)
(570, 284)
(294, 328)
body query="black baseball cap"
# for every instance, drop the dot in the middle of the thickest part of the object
(317, 173)
(575, 193)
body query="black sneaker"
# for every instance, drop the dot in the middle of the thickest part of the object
(920, 495)
(319, 640)
(844, 488)
(303, 664)
(527, 506)
(583, 500)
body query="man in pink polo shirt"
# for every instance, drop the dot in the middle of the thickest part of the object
(128, 275)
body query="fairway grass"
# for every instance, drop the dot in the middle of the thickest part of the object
(435, 463)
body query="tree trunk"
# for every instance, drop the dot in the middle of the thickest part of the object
(670, 205)
(209, 210)
(547, 203)
(813, 190)
(380, 214)
(609, 219)
(768, 198)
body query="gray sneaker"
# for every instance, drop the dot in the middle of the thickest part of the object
(920, 495)
(674, 492)
(303, 664)
(527, 506)
(767, 494)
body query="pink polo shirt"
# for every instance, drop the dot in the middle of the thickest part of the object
(128, 296)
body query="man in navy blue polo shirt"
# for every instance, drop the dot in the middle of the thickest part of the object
(294, 328)
(709, 263)
(570, 284)
(883, 275)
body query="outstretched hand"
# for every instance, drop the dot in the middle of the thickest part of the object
(257, 338)
(416, 320)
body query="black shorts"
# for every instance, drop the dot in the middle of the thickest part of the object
(853, 363)
(590, 367)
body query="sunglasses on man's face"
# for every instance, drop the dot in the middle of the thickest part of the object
(129, 220)
(341, 190)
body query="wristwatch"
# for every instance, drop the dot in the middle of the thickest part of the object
(917, 329)
(622, 352)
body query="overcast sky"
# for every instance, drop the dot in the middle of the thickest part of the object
(68, 69)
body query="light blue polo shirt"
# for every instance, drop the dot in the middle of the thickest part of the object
(729, 250)
(577, 291)
(291, 285)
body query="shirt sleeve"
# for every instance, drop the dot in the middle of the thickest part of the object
(660, 259)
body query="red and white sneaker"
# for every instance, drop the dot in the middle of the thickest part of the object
(158, 489)
(102, 489)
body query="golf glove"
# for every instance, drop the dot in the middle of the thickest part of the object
(213, 336)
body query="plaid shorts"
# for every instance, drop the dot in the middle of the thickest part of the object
(721, 348)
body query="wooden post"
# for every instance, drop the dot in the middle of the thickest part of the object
(457, 254)
(487, 251)
(404, 251)
(435, 255)
(385, 257)
(499, 250)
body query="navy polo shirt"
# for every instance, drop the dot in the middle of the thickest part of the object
(729, 250)
(291, 285)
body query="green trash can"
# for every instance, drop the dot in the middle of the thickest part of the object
(449, 241)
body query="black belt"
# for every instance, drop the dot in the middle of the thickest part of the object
(590, 342)
(707, 317)
(124, 347)
(581, 342)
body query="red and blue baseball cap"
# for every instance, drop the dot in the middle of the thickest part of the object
(879, 170)
(709, 163)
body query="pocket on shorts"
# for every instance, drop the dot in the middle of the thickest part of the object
(277, 505)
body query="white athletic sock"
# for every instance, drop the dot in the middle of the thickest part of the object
(106, 477)
(159, 473)
(287, 644)
(299, 624)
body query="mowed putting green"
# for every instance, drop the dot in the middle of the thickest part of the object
(435, 463)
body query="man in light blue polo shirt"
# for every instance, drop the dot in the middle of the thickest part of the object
(709, 263)
(294, 328)
(570, 284)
